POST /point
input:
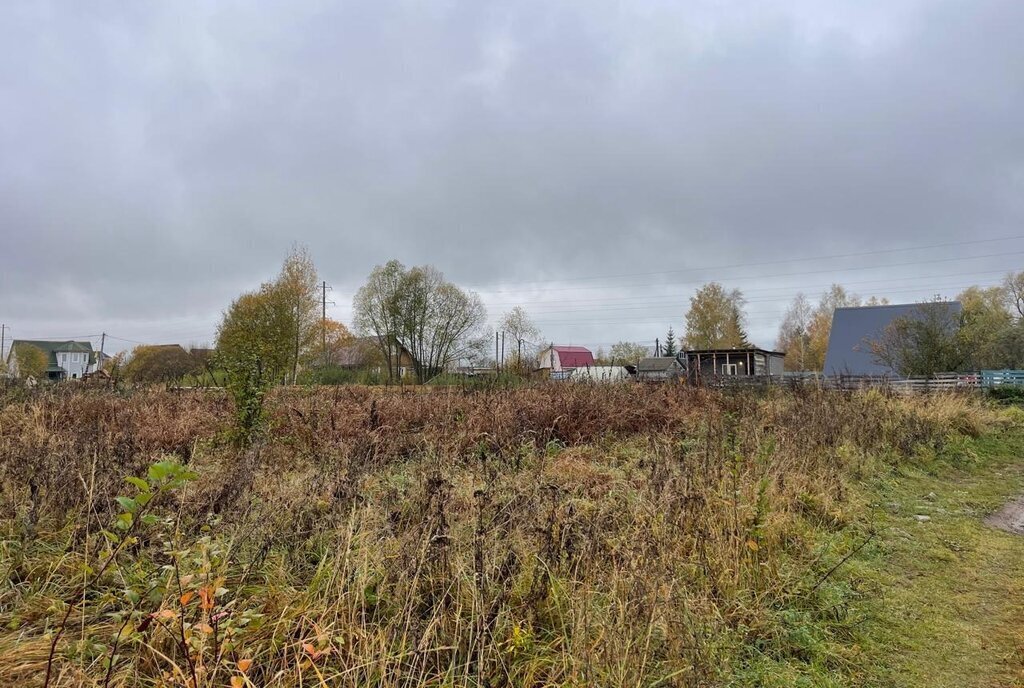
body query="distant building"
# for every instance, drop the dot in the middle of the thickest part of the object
(176, 349)
(853, 330)
(364, 353)
(65, 360)
(559, 358)
(750, 361)
(659, 368)
(600, 374)
(203, 355)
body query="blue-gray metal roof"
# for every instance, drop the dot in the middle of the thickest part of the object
(852, 330)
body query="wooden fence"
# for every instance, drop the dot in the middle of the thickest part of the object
(985, 379)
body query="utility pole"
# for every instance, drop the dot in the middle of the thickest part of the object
(323, 322)
(503, 348)
(497, 362)
(99, 359)
(3, 332)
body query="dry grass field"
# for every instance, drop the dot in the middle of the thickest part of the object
(560, 535)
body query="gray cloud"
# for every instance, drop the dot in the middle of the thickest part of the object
(158, 160)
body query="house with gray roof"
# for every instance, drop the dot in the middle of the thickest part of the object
(659, 368)
(65, 360)
(853, 330)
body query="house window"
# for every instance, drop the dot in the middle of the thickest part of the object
(728, 369)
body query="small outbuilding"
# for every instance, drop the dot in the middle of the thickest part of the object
(659, 368)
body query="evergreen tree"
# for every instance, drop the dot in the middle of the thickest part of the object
(670, 343)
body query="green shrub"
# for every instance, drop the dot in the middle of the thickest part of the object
(1007, 395)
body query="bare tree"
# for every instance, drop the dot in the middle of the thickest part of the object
(376, 308)
(419, 311)
(1014, 286)
(523, 335)
(436, 318)
(794, 334)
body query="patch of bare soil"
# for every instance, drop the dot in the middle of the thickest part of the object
(1010, 518)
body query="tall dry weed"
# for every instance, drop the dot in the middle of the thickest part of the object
(554, 535)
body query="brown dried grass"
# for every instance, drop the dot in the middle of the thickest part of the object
(552, 535)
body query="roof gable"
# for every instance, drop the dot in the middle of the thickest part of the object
(52, 348)
(853, 328)
(656, 364)
(48, 346)
(574, 356)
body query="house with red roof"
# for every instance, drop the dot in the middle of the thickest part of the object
(555, 359)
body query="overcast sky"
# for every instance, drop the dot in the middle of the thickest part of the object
(592, 161)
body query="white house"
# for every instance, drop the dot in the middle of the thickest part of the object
(65, 360)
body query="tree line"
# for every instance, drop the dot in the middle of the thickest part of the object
(987, 333)
(413, 322)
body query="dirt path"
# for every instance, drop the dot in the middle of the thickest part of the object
(1010, 518)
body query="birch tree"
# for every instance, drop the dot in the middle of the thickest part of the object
(296, 288)
(715, 319)
(794, 333)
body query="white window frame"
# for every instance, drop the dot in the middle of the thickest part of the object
(729, 369)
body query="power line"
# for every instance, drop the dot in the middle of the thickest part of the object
(130, 341)
(775, 262)
(788, 289)
(52, 338)
(797, 274)
(661, 317)
(680, 301)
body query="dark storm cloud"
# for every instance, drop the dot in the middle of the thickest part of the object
(157, 160)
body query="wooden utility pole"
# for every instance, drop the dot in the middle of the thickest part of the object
(3, 332)
(503, 348)
(324, 287)
(99, 359)
(497, 362)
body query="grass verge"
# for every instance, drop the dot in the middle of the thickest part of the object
(942, 594)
